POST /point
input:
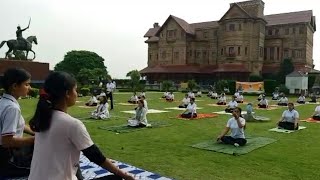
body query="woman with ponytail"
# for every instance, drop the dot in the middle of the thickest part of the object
(60, 137)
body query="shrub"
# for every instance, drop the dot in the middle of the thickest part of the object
(255, 78)
(269, 86)
(34, 92)
(284, 89)
(232, 86)
(85, 91)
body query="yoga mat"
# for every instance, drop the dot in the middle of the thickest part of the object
(225, 113)
(285, 130)
(252, 144)
(150, 111)
(268, 109)
(199, 116)
(126, 129)
(216, 105)
(258, 119)
(128, 104)
(310, 120)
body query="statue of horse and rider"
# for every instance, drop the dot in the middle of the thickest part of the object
(20, 44)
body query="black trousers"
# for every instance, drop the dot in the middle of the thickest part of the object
(183, 106)
(301, 102)
(262, 106)
(231, 140)
(288, 125)
(188, 115)
(229, 110)
(316, 118)
(110, 96)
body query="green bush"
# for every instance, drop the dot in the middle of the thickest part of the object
(269, 86)
(255, 78)
(1, 92)
(34, 92)
(232, 86)
(84, 91)
(283, 89)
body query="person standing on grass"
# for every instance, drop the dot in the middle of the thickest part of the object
(110, 87)
(16, 83)
(60, 137)
(236, 125)
(289, 119)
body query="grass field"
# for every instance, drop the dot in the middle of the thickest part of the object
(167, 150)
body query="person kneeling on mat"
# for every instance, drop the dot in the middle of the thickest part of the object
(283, 101)
(191, 111)
(185, 102)
(222, 100)
(316, 114)
(232, 104)
(236, 125)
(140, 118)
(289, 119)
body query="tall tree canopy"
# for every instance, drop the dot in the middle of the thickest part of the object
(286, 68)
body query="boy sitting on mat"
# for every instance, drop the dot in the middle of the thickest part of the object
(289, 119)
(232, 104)
(214, 95)
(301, 99)
(239, 99)
(165, 94)
(283, 101)
(191, 111)
(170, 97)
(260, 97)
(102, 111)
(316, 114)
(191, 94)
(199, 93)
(185, 102)
(140, 118)
(210, 94)
(263, 102)
(142, 94)
(93, 101)
(222, 100)
(236, 125)
(275, 95)
(134, 99)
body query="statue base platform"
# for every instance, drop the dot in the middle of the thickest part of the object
(38, 70)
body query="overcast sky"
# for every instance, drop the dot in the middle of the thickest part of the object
(115, 29)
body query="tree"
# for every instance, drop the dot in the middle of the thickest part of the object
(286, 68)
(84, 76)
(74, 61)
(192, 84)
(134, 79)
(220, 85)
(167, 85)
(255, 78)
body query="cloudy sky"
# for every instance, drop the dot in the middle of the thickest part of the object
(115, 29)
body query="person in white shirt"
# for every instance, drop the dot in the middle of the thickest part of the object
(191, 110)
(316, 114)
(275, 95)
(236, 94)
(140, 118)
(222, 100)
(142, 94)
(165, 94)
(231, 105)
(301, 99)
(263, 102)
(59, 137)
(16, 84)
(93, 101)
(102, 110)
(214, 95)
(237, 126)
(260, 97)
(239, 98)
(289, 119)
(134, 99)
(191, 94)
(199, 94)
(170, 97)
(145, 103)
(185, 102)
(110, 87)
(210, 94)
(283, 101)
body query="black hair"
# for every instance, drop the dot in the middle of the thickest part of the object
(56, 86)
(104, 100)
(14, 76)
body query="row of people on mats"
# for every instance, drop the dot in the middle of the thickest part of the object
(52, 150)
(170, 96)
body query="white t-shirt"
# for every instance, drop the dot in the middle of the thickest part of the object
(236, 94)
(57, 150)
(214, 94)
(142, 94)
(191, 95)
(223, 99)
(233, 104)
(192, 108)
(93, 99)
(134, 98)
(186, 101)
(283, 100)
(170, 96)
(263, 102)
(236, 132)
(290, 116)
(145, 104)
(165, 94)
(301, 99)
(110, 87)
(240, 98)
(317, 110)
(11, 120)
(199, 93)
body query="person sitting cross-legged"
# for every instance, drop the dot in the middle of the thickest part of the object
(185, 102)
(199, 94)
(232, 104)
(140, 118)
(222, 100)
(289, 119)
(275, 95)
(214, 95)
(191, 94)
(165, 94)
(283, 101)
(210, 94)
(316, 114)
(260, 97)
(170, 97)
(301, 99)
(237, 126)
(239, 98)
(93, 101)
(142, 94)
(263, 102)
(191, 111)
(102, 111)
(134, 99)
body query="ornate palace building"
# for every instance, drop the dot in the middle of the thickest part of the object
(243, 42)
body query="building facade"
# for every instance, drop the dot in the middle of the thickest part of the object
(243, 42)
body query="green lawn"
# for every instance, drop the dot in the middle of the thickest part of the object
(167, 150)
